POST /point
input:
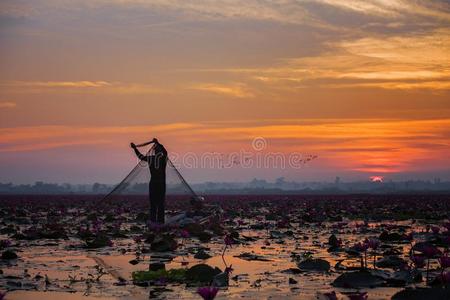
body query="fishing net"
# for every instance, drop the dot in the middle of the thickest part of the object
(187, 205)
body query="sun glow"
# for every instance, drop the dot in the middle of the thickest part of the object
(376, 178)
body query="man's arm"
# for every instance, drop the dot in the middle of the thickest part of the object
(139, 154)
(154, 140)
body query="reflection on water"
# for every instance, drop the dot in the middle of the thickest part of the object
(68, 269)
(263, 261)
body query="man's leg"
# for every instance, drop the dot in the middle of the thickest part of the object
(153, 206)
(161, 211)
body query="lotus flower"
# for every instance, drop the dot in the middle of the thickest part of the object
(446, 240)
(153, 226)
(361, 247)
(5, 244)
(447, 225)
(444, 278)
(161, 281)
(228, 240)
(430, 251)
(373, 243)
(444, 261)
(419, 261)
(184, 233)
(283, 224)
(229, 269)
(435, 229)
(409, 236)
(330, 295)
(208, 293)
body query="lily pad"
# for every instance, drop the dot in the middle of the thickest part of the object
(358, 279)
(422, 293)
(221, 279)
(9, 254)
(391, 261)
(201, 254)
(403, 277)
(98, 242)
(250, 256)
(204, 236)
(314, 264)
(163, 243)
(175, 275)
(202, 273)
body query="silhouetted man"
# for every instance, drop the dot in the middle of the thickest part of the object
(157, 186)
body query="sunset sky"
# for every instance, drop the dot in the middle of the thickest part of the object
(362, 84)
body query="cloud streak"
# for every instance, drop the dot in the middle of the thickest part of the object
(283, 11)
(290, 12)
(237, 90)
(61, 84)
(7, 105)
(83, 86)
(396, 62)
(393, 8)
(383, 146)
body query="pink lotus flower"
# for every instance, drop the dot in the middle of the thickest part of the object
(330, 295)
(155, 227)
(435, 229)
(447, 225)
(446, 240)
(444, 261)
(419, 261)
(228, 240)
(430, 251)
(184, 233)
(373, 243)
(208, 293)
(229, 269)
(5, 244)
(361, 247)
(161, 281)
(445, 277)
(282, 224)
(409, 236)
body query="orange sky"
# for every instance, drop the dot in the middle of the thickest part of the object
(363, 84)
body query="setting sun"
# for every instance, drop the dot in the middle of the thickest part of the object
(376, 178)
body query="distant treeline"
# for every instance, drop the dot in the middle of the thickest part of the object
(256, 186)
